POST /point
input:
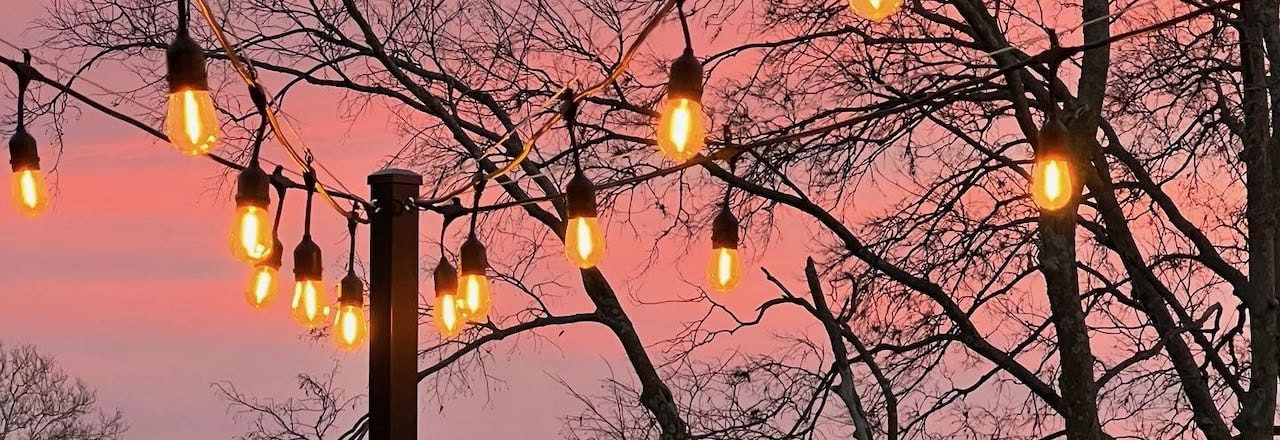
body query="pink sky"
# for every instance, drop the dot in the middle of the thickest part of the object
(141, 299)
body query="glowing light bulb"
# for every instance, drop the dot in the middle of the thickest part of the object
(308, 304)
(251, 239)
(475, 297)
(584, 242)
(30, 193)
(1051, 183)
(448, 315)
(262, 286)
(681, 130)
(583, 237)
(681, 133)
(191, 122)
(1053, 180)
(350, 328)
(473, 285)
(875, 10)
(724, 270)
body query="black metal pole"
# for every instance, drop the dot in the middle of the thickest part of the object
(393, 306)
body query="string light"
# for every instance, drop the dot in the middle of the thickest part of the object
(251, 230)
(449, 307)
(1054, 184)
(30, 192)
(309, 296)
(1053, 177)
(350, 326)
(263, 278)
(473, 282)
(583, 237)
(191, 122)
(724, 268)
(681, 133)
(875, 10)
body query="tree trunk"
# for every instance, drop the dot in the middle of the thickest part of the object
(1075, 381)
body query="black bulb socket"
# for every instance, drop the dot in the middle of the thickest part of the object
(581, 197)
(352, 290)
(686, 77)
(23, 154)
(724, 230)
(446, 278)
(307, 263)
(1053, 138)
(253, 187)
(473, 259)
(185, 59)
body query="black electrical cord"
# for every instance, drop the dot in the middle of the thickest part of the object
(277, 181)
(684, 24)
(24, 82)
(475, 213)
(309, 179)
(351, 230)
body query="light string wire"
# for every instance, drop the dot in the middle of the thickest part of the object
(653, 23)
(907, 104)
(629, 55)
(73, 76)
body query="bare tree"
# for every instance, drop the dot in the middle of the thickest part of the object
(38, 401)
(945, 304)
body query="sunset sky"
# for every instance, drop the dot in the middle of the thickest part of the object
(127, 281)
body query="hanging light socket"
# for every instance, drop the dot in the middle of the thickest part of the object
(1053, 138)
(473, 260)
(185, 60)
(307, 262)
(23, 152)
(352, 290)
(446, 278)
(724, 230)
(581, 197)
(253, 187)
(686, 77)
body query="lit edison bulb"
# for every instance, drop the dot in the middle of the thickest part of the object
(262, 286)
(350, 328)
(681, 132)
(724, 270)
(192, 122)
(1053, 180)
(584, 242)
(30, 193)
(583, 238)
(473, 285)
(449, 315)
(1052, 183)
(308, 303)
(449, 307)
(251, 234)
(474, 293)
(875, 10)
